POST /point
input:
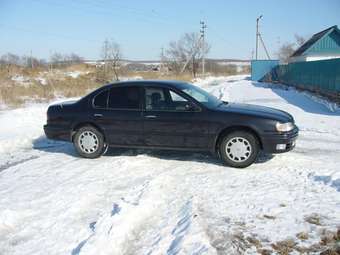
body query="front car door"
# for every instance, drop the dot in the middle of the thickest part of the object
(118, 111)
(173, 121)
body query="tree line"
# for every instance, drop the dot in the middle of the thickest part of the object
(32, 62)
(182, 55)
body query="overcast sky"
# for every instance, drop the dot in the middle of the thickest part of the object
(143, 27)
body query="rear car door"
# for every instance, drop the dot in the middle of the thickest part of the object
(171, 120)
(118, 111)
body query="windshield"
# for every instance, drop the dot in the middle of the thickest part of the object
(201, 96)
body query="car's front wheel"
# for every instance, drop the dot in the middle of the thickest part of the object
(239, 149)
(89, 142)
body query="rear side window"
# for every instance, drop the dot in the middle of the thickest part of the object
(100, 101)
(124, 98)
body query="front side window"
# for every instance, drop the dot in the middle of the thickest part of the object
(124, 98)
(155, 99)
(162, 99)
(100, 100)
(177, 98)
(201, 95)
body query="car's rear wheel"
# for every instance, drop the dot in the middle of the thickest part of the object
(89, 142)
(239, 149)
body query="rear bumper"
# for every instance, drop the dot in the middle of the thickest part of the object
(57, 132)
(270, 141)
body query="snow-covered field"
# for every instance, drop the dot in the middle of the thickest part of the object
(160, 202)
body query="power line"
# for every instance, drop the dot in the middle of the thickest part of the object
(102, 4)
(147, 16)
(218, 35)
(99, 7)
(95, 8)
(40, 33)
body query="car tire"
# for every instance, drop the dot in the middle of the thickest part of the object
(239, 149)
(89, 142)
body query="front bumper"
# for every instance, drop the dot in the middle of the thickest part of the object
(57, 132)
(270, 141)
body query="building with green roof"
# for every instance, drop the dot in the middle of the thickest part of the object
(321, 46)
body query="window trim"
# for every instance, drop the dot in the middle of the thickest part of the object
(97, 94)
(189, 99)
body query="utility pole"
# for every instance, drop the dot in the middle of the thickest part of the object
(162, 59)
(264, 46)
(31, 60)
(203, 27)
(257, 36)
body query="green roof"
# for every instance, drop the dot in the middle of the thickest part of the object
(326, 41)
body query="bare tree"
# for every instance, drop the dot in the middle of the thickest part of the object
(56, 58)
(299, 40)
(287, 49)
(112, 55)
(187, 49)
(10, 59)
(30, 61)
(74, 58)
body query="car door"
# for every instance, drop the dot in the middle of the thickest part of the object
(173, 121)
(118, 111)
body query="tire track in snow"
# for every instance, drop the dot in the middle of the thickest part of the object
(181, 228)
(10, 163)
(114, 228)
(145, 208)
(166, 230)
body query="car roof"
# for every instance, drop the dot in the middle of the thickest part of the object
(157, 83)
(179, 85)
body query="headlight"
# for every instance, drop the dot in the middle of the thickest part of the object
(284, 127)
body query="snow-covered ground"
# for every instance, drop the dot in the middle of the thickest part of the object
(160, 202)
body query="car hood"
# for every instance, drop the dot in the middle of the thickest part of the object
(257, 110)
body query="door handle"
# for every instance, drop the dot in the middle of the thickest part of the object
(98, 115)
(150, 116)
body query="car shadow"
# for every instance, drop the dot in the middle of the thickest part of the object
(46, 145)
(300, 100)
(203, 157)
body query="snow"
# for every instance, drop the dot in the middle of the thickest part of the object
(160, 202)
(41, 80)
(21, 80)
(237, 63)
(75, 74)
(127, 78)
(20, 127)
